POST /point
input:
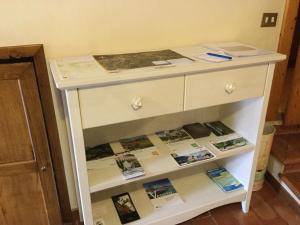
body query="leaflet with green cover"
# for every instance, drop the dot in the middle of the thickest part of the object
(224, 179)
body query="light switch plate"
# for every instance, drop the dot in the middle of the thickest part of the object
(269, 20)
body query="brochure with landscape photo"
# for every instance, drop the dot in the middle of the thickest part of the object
(230, 144)
(193, 153)
(162, 193)
(219, 128)
(98, 152)
(173, 136)
(224, 179)
(125, 208)
(129, 166)
(135, 143)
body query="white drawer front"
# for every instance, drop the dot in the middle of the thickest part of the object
(207, 89)
(131, 101)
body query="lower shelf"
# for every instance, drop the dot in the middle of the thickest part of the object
(197, 190)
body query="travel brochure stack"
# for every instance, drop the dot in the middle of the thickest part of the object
(161, 194)
(184, 150)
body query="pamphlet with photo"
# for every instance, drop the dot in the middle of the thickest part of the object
(193, 153)
(98, 152)
(224, 179)
(173, 136)
(125, 208)
(162, 193)
(129, 166)
(230, 144)
(135, 143)
(219, 128)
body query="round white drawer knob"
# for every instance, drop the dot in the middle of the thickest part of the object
(230, 87)
(136, 103)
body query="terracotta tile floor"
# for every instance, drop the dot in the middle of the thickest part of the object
(268, 207)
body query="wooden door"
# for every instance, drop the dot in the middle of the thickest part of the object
(27, 186)
(292, 116)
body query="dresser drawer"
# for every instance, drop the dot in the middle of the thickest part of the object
(213, 88)
(131, 101)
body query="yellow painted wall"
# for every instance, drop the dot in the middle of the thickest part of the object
(75, 27)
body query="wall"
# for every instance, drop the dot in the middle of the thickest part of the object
(74, 27)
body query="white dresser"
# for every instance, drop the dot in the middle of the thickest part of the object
(150, 99)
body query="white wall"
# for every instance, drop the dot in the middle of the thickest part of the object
(75, 27)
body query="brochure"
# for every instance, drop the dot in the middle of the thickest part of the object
(129, 166)
(197, 130)
(135, 143)
(224, 179)
(98, 152)
(219, 128)
(172, 136)
(192, 154)
(125, 208)
(162, 193)
(230, 144)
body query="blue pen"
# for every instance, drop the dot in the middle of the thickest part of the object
(218, 55)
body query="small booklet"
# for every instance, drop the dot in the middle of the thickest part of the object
(224, 179)
(196, 130)
(125, 208)
(98, 152)
(219, 128)
(135, 143)
(230, 144)
(162, 193)
(192, 153)
(129, 166)
(173, 136)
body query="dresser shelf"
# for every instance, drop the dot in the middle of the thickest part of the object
(104, 173)
(196, 189)
(153, 99)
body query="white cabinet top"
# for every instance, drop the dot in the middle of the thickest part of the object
(85, 71)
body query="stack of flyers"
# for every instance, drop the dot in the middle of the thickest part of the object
(193, 153)
(98, 152)
(125, 208)
(162, 193)
(230, 144)
(224, 179)
(129, 166)
(136, 143)
(219, 128)
(173, 136)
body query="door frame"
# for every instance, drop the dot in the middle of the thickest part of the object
(35, 53)
(292, 114)
(284, 47)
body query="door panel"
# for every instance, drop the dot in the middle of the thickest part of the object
(14, 134)
(27, 186)
(29, 208)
